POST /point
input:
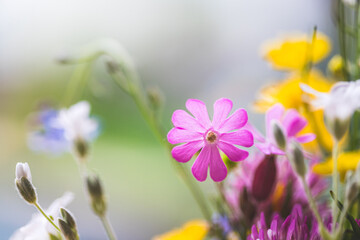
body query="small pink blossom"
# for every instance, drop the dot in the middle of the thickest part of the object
(290, 122)
(198, 132)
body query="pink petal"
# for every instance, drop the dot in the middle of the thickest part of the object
(198, 109)
(241, 137)
(184, 153)
(268, 148)
(234, 154)
(256, 134)
(201, 164)
(275, 112)
(218, 170)
(178, 135)
(237, 120)
(222, 108)
(293, 122)
(182, 119)
(306, 138)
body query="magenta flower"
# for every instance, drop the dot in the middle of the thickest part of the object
(290, 122)
(199, 132)
(297, 226)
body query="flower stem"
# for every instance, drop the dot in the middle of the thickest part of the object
(335, 181)
(46, 216)
(108, 228)
(322, 229)
(135, 91)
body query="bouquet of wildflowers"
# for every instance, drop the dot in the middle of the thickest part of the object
(299, 179)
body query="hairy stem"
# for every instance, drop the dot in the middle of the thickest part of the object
(335, 181)
(47, 217)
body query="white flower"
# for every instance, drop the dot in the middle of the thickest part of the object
(339, 105)
(76, 122)
(22, 170)
(340, 102)
(39, 228)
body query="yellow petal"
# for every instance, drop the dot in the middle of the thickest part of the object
(292, 52)
(346, 161)
(192, 230)
(288, 91)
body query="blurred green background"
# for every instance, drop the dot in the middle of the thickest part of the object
(189, 49)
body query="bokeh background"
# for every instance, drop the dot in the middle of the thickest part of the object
(202, 49)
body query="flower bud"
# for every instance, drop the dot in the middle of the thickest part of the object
(337, 126)
(296, 158)
(113, 67)
(81, 148)
(155, 97)
(278, 134)
(67, 231)
(264, 178)
(95, 190)
(68, 218)
(22, 170)
(68, 225)
(336, 65)
(23, 183)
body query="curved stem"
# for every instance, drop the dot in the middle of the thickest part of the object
(322, 229)
(108, 228)
(335, 182)
(46, 216)
(135, 91)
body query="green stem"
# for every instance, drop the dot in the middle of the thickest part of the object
(108, 228)
(322, 229)
(335, 181)
(342, 38)
(341, 222)
(47, 217)
(133, 88)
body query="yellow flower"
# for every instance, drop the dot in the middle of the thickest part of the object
(293, 51)
(336, 65)
(192, 230)
(346, 161)
(289, 94)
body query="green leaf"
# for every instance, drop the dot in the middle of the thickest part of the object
(350, 218)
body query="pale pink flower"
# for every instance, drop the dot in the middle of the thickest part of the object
(290, 122)
(198, 132)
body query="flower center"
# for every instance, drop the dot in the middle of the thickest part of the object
(211, 137)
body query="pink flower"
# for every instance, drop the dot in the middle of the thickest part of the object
(290, 122)
(199, 132)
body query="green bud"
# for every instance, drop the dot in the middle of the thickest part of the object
(296, 157)
(155, 97)
(26, 190)
(81, 148)
(68, 232)
(337, 127)
(113, 67)
(68, 218)
(278, 135)
(97, 197)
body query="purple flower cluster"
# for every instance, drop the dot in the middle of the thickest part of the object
(297, 226)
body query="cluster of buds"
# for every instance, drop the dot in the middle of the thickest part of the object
(68, 225)
(97, 198)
